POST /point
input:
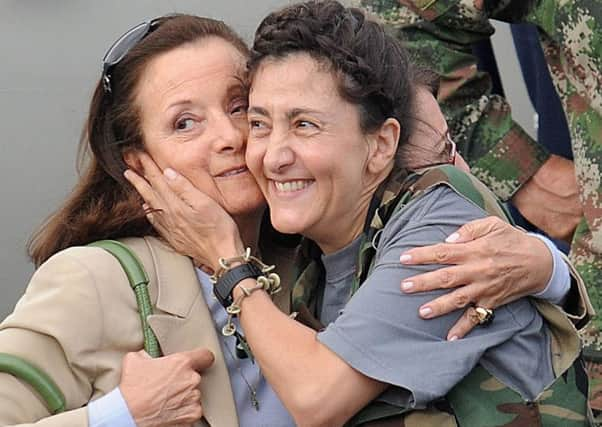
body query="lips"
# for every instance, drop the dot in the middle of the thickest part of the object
(237, 170)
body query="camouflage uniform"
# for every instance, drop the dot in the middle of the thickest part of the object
(480, 399)
(439, 33)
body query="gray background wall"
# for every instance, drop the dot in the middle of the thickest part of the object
(50, 57)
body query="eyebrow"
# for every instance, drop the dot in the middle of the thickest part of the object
(237, 87)
(181, 103)
(289, 114)
(258, 110)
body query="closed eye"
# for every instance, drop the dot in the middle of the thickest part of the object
(239, 108)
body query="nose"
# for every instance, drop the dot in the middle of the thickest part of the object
(278, 153)
(230, 134)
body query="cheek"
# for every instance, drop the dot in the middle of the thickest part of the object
(254, 158)
(192, 165)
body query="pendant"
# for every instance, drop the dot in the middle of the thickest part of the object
(254, 400)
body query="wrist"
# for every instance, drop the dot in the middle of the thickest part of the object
(544, 261)
(559, 282)
(227, 282)
(227, 249)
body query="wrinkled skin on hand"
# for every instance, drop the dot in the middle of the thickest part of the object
(164, 391)
(550, 199)
(190, 221)
(491, 264)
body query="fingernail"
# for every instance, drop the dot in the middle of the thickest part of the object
(405, 258)
(170, 173)
(453, 338)
(452, 238)
(406, 286)
(126, 173)
(425, 311)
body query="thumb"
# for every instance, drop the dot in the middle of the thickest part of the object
(200, 358)
(474, 230)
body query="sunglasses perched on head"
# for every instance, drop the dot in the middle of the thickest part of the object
(122, 46)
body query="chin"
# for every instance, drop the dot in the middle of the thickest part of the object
(287, 225)
(246, 207)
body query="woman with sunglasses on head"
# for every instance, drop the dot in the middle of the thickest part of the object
(173, 89)
(330, 112)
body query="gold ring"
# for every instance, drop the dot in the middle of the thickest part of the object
(480, 316)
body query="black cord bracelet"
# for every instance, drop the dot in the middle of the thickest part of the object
(226, 282)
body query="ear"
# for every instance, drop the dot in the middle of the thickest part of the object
(130, 157)
(383, 146)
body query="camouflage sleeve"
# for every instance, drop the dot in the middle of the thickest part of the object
(439, 34)
(577, 305)
(572, 41)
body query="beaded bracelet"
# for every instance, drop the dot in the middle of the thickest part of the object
(225, 264)
(270, 284)
(269, 281)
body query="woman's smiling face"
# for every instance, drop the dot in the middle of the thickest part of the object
(307, 151)
(193, 117)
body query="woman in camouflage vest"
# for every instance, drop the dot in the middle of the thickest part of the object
(330, 114)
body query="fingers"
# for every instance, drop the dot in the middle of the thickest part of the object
(443, 278)
(142, 187)
(155, 177)
(476, 229)
(440, 253)
(451, 252)
(187, 415)
(168, 184)
(182, 187)
(447, 303)
(200, 358)
(461, 328)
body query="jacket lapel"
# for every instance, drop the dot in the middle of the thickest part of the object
(183, 322)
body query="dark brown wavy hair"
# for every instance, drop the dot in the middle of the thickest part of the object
(373, 70)
(103, 205)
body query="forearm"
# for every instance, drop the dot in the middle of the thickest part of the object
(305, 374)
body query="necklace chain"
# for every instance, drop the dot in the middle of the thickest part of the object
(252, 390)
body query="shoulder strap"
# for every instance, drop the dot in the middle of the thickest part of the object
(463, 184)
(139, 282)
(39, 380)
(35, 377)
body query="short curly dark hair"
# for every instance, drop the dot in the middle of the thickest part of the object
(373, 69)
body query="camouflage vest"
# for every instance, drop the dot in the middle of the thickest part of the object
(480, 399)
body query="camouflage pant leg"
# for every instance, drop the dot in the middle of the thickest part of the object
(594, 372)
(592, 341)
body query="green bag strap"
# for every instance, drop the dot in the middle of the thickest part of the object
(39, 380)
(139, 282)
(35, 377)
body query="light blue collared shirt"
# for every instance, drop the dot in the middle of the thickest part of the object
(110, 411)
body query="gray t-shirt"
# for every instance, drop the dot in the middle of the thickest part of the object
(380, 334)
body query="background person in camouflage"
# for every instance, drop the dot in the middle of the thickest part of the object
(440, 34)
